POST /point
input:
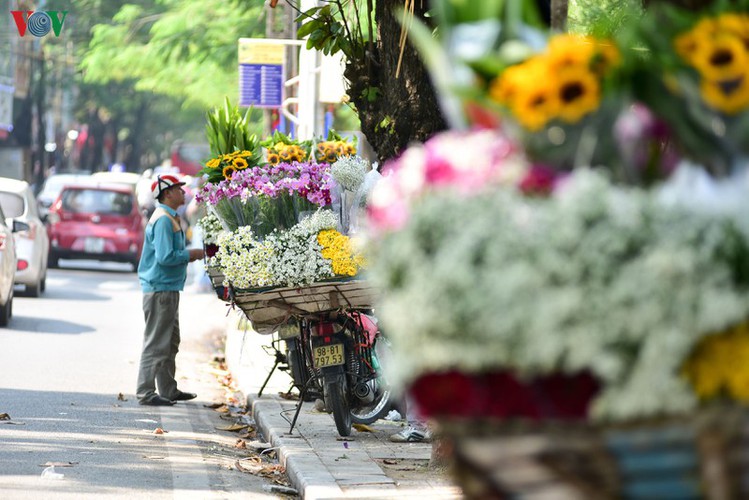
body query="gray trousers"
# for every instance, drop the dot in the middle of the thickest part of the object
(160, 346)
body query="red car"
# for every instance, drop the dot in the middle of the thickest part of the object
(99, 222)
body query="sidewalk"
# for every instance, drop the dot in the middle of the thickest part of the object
(321, 464)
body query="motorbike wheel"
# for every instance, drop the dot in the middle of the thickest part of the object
(382, 403)
(336, 400)
(373, 411)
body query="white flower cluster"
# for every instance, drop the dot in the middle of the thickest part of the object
(597, 278)
(284, 258)
(349, 171)
(211, 227)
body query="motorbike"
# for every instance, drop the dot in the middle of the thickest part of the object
(338, 355)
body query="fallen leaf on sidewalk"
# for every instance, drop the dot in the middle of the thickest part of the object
(289, 396)
(250, 465)
(362, 428)
(5, 419)
(159, 430)
(233, 427)
(390, 461)
(214, 406)
(240, 444)
(58, 464)
(251, 432)
(153, 457)
(121, 397)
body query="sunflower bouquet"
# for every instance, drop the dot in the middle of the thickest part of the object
(280, 148)
(333, 148)
(224, 166)
(696, 78)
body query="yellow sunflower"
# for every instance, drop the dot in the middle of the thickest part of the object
(687, 44)
(239, 163)
(534, 106)
(729, 97)
(735, 24)
(228, 171)
(285, 154)
(725, 58)
(606, 56)
(578, 93)
(570, 50)
(212, 163)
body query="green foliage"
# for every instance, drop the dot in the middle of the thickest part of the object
(337, 26)
(183, 48)
(602, 18)
(228, 130)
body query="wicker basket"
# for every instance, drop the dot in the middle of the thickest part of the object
(705, 456)
(269, 308)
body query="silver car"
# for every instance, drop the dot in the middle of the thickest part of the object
(32, 242)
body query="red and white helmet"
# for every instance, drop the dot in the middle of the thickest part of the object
(164, 182)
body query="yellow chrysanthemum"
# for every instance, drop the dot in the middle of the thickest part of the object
(728, 97)
(725, 58)
(578, 93)
(338, 249)
(719, 365)
(212, 163)
(239, 163)
(228, 171)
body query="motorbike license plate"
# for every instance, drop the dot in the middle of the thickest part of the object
(93, 245)
(328, 355)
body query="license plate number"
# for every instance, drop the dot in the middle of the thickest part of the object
(328, 355)
(94, 245)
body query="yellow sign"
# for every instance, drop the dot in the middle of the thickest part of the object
(260, 51)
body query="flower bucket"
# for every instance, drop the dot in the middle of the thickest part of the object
(701, 456)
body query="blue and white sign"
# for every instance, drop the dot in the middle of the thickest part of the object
(261, 85)
(261, 73)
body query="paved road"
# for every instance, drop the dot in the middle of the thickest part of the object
(64, 360)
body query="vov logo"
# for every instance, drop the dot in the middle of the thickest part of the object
(38, 22)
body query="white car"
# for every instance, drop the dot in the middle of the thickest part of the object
(31, 243)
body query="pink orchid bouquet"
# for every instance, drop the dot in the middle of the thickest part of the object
(268, 197)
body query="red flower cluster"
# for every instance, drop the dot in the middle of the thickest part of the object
(502, 395)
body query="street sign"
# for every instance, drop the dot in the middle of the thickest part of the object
(261, 72)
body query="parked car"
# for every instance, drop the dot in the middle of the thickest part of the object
(32, 246)
(51, 189)
(8, 265)
(95, 221)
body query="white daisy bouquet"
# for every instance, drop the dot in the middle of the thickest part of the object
(310, 251)
(211, 227)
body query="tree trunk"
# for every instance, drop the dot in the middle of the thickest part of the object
(132, 160)
(559, 10)
(393, 111)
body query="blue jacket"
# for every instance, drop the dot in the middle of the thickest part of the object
(163, 262)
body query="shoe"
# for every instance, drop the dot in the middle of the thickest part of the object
(157, 401)
(184, 396)
(411, 435)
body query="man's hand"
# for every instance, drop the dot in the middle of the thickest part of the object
(195, 254)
